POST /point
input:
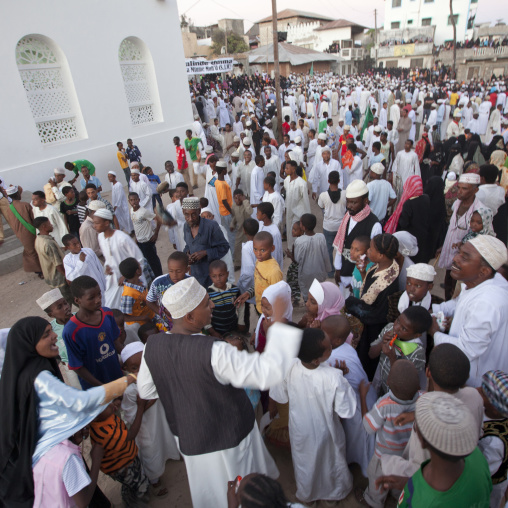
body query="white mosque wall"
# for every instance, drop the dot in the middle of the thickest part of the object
(69, 96)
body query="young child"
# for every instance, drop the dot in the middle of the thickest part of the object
(267, 271)
(333, 204)
(133, 303)
(69, 209)
(292, 273)
(241, 211)
(397, 340)
(359, 248)
(146, 330)
(57, 308)
(121, 461)
(225, 200)
(153, 453)
(311, 255)
(82, 261)
(223, 294)
(359, 445)
(154, 181)
(391, 439)
(92, 337)
(51, 258)
(480, 224)
(82, 210)
(494, 442)
(206, 213)
(264, 215)
(178, 266)
(457, 473)
(273, 196)
(319, 397)
(248, 267)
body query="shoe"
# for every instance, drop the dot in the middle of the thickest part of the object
(194, 187)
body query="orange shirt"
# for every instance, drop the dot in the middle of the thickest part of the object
(139, 306)
(223, 192)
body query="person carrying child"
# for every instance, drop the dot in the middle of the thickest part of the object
(479, 224)
(358, 254)
(401, 339)
(317, 437)
(391, 439)
(153, 453)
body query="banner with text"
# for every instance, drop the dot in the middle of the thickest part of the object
(209, 66)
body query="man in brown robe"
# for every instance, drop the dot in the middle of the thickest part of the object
(404, 128)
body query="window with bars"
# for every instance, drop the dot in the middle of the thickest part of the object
(139, 81)
(426, 21)
(455, 17)
(49, 90)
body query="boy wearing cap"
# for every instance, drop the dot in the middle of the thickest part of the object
(457, 474)
(381, 193)
(55, 185)
(87, 233)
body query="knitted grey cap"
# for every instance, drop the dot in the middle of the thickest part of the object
(446, 423)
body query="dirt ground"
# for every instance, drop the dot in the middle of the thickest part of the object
(18, 300)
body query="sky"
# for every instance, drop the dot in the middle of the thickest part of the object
(207, 12)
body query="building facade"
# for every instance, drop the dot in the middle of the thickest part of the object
(71, 93)
(404, 14)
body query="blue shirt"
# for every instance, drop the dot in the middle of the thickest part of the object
(209, 238)
(159, 286)
(93, 179)
(154, 181)
(349, 117)
(93, 347)
(133, 154)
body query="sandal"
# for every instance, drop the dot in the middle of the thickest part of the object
(158, 490)
(360, 497)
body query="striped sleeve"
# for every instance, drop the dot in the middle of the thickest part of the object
(374, 420)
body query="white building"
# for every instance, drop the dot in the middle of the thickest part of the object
(80, 75)
(404, 14)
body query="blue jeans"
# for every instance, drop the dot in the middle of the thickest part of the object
(330, 237)
(156, 197)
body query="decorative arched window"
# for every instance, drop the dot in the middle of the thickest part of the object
(139, 81)
(49, 89)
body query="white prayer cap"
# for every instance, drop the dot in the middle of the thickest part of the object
(206, 209)
(451, 176)
(236, 153)
(221, 164)
(135, 171)
(471, 178)
(135, 164)
(104, 213)
(191, 203)
(208, 149)
(316, 290)
(440, 101)
(421, 271)
(433, 105)
(326, 149)
(397, 101)
(196, 117)
(377, 128)
(131, 349)
(341, 119)
(491, 249)
(59, 171)
(504, 121)
(49, 298)
(377, 168)
(322, 136)
(247, 141)
(183, 297)
(111, 173)
(356, 189)
(11, 190)
(236, 139)
(457, 113)
(347, 127)
(298, 139)
(96, 205)
(408, 244)
(248, 123)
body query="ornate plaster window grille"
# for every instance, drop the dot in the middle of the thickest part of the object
(139, 82)
(49, 90)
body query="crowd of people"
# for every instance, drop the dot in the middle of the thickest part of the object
(336, 343)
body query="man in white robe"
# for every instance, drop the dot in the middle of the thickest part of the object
(383, 116)
(406, 162)
(42, 209)
(480, 321)
(319, 175)
(395, 114)
(142, 189)
(484, 111)
(474, 124)
(335, 102)
(120, 204)
(297, 199)
(495, 120)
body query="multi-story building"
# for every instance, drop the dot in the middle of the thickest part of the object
(408, 14)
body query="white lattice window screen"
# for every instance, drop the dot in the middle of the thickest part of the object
(134, 64)
(46, 91)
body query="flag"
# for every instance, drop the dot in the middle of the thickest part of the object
(369, 117)
(311, 69)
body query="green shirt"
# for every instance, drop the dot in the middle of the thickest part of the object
(191, 145)
(471, 490)
(322, 126)
(83, 162)
(62, 350)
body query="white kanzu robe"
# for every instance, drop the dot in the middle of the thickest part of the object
(121, 206)
(317, 398)
(297, 203)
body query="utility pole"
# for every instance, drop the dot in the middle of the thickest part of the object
(278, 101)
(375, 34)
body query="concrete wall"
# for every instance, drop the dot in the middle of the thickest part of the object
(89, 33)
(232, 26)
(191, 48)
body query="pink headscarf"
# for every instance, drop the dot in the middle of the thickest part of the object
(330, 302)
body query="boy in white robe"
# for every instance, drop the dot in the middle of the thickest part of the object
(273, 196)
(297, 199)
(317, 394)
(264, 213)
(120, 204)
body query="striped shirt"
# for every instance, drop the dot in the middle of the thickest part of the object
(81, 213)
(391, 439)
(111, 434)
(224, 317)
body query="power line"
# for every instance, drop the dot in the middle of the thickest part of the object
(193, 5)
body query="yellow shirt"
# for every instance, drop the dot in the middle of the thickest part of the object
(122, 159)
(266, 273)
(454, 97)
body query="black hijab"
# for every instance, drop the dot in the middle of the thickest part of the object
(18, 407)
(437, 217)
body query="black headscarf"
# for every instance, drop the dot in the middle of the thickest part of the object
(18, 407)
(437, 218)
